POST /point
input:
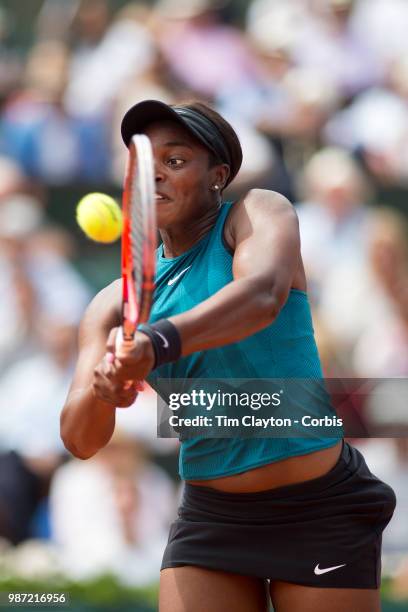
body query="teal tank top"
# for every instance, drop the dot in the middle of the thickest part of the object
(285, 349)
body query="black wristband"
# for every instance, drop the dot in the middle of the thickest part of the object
(165, 339)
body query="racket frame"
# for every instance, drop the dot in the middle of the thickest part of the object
(139, 238)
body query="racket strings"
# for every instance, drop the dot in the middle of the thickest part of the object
(142, 226)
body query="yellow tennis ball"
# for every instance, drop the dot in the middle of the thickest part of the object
(99, 217)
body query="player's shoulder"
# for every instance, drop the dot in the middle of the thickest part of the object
(261, 209)
(258, 198)
(260, 202)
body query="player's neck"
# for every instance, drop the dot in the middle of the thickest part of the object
(179, 239)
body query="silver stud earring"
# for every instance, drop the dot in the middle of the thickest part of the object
(216, 187)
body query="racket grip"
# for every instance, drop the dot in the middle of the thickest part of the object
(122, 348)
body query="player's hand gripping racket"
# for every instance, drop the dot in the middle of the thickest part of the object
(138, 242)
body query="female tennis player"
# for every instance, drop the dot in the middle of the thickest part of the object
(300, 517)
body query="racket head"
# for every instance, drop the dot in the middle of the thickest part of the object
(139, 236)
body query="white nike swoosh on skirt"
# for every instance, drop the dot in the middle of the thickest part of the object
(319, 571)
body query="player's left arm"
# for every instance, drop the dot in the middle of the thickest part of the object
(264, 233)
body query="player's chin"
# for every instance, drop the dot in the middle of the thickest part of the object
(165, 218)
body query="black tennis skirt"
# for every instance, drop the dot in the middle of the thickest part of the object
(324, 532)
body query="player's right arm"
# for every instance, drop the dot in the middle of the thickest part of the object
(88, 416)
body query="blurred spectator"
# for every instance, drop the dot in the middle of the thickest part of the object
(286, 104)
(203, 53)
(20, 216)
(333, 216)
(335, 230)
(35, 277)
(376, 125)
(125, 46)
(383, 26)
(262, 97)
(29, 413)
(329, 44)
(375, 335)
(274, 16)
(51, 145)
(32, 394)
(257, 108)
(125, 534)
(321, 39)
(385, 324)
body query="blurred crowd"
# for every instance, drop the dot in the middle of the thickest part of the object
(318, 92)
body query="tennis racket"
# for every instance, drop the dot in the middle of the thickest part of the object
(139, 237)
